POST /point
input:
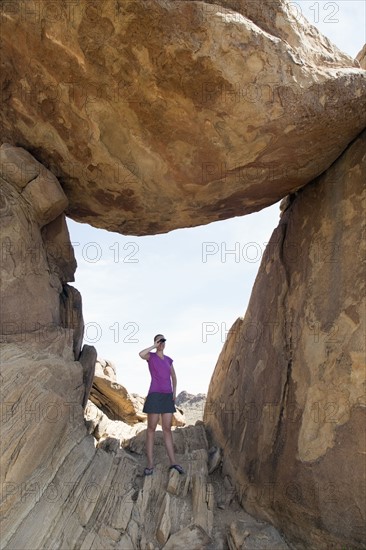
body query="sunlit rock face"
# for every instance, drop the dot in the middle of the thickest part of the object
(152, 115)
(37, 259)
(160, 114)
(61, 491)
(361, 57)
(287, 399)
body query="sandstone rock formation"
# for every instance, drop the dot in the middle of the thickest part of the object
(87, 360)
(30, 290)
(361, 57)
(105, 368)
(160, 114)
(153, 115)
(287, 398)
(43, 444)
(60, 491)
(117, 421)
(114, 400)
(102, 427)
(37, 256)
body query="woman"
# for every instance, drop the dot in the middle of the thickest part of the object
(160, 400)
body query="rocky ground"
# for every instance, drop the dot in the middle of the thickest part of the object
(195, 510)
(114, 413)
(88, 489)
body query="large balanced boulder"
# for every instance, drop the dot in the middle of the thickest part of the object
(287, 400)
(140, 117)
(158, 114)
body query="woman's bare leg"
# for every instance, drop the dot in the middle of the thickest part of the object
(152, 421)
(166, 421)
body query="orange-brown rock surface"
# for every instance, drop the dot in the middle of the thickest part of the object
(141, 116)
(160, 114)
(37, 256)
(115, 401)
(59, 490)
(287, 398)
(361, 57)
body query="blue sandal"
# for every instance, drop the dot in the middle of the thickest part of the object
(148, 471)
(177, 467)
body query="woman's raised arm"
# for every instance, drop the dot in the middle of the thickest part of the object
(145, 353)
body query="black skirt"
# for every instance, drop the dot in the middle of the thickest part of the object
(159, 403)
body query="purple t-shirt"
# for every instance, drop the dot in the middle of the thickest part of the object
(160, 373)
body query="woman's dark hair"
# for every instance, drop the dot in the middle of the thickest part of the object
(158, 336)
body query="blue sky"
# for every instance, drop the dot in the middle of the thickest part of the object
(185, 284)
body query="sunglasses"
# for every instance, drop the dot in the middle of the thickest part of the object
(162, 340)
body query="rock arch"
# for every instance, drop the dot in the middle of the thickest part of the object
(185, 124)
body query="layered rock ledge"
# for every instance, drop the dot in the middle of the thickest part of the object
(60, 491)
